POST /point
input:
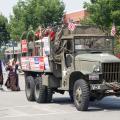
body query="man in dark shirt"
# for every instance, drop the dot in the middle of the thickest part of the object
(1, 76)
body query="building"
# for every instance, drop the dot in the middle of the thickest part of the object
(13, 52)
(75, 16)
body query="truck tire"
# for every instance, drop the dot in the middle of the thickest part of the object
(81, 95)
(71, 94)
(49, 95)
(40, 91)
(29, 88)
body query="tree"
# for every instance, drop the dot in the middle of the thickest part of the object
(34, 13)
(104, 13)
(17, 20)
(4, 34)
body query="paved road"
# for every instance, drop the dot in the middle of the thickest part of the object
(14, 106)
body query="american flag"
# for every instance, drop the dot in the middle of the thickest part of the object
(113, 30)
(71, 26)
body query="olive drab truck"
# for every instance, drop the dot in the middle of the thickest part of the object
(81, 62)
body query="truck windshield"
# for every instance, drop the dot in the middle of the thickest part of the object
(94, 44)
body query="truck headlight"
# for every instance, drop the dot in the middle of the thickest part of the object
(97, 69)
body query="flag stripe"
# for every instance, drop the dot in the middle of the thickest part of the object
(71, 26)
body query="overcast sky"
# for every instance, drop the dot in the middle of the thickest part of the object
(71, 6)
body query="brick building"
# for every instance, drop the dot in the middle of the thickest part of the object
(75, 16)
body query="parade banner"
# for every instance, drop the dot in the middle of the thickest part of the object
(42, 66)
(31, 60)
(25, 63)
(36, 63)
(24, 46)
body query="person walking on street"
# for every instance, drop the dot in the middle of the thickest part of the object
(13, 81)
(1, 76)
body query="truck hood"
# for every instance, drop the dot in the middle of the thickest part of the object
(100, 57)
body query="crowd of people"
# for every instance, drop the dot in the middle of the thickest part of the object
(12, 81)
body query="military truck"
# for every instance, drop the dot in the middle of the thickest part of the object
(81, 62)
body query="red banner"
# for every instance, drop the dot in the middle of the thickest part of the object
(24, 46)
(42, 67)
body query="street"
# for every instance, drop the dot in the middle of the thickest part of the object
(14, 105)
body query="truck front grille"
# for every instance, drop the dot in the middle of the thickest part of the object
(111, 72)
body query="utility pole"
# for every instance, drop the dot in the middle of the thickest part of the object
(13, 48)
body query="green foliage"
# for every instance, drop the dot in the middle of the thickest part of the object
(4, 34)
(87, 21)
(34, 13)
(17, 21)
(104, 13)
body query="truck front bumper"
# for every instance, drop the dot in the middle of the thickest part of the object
(105, 86)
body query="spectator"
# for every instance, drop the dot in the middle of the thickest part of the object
(1, 76)
(13, 81)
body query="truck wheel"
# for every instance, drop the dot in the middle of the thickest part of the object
(81, 95)
(49, 95)
(71, 94)
(40, 91)
(29, 88)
